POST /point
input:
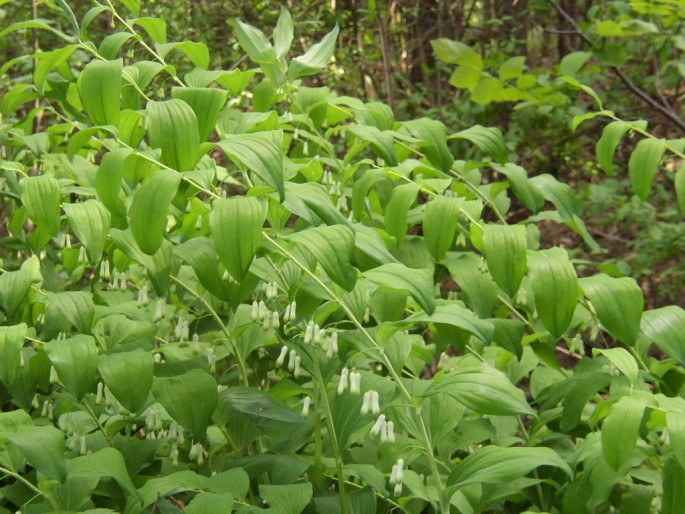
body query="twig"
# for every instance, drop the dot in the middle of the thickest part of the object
(673, 117)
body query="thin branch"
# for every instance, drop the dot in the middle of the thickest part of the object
(673, 116)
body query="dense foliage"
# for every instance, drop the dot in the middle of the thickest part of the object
(242, 291)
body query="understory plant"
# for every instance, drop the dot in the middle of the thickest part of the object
(231, 291)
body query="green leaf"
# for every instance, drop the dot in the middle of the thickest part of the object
(76, 361)
(505, 253)
(210, 503)
(555, 286)
(100, 88)
(158, 265)
(606, 146)
(417, 282)
(572, 63)
(149, 209)
(15, 285)
(287, 499)
(155, 28)
(512, 68)
(108, 180)
(524, 190)
(90, 221)
(618, 303)
(173, 127)
(483, 389)
(107, 462)
(41, 198)
(396, 211)
(622, 359)
(382, 142)
(434, 134)
(643, 164)
(676, 434)
(487, 139)
(43, 448)
(673, 480)
(283, 33)
(259, 154)
(316, 57)
(680, 187)
(255, 43)
(440, 220)
(332, 247)
(620, 431)
(457, 316)
(206, 104)
(189, 398)
(665, 327)
(76, 307)
(11, 343)
(497, 465)
(237, 232)
(128, 375)
(47, 61)
(478, 289)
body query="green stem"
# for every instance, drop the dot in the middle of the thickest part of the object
(333, 436)
(426, 440)
(236, 350)
(17, 476)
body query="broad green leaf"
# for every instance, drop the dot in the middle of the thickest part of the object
(128, 375)
(643, 164)
(287, 499)
(173, 127)
(43, 448)
(110, 45)
(483, 389)
(11, 343)
(512, 68)
(158, 265)
(198, 53)
(676, 434)
(100, 87)
(572, 63)
(680, 187)
(316, 57)
(440, 220)
(206, 104)
(665, 328)
(524, 190)
(210, 503)
(417, 282)
(76, 361)
(487, 139)
(15, 285)
(434, 134)
(162, 486)
(283, 33)
(90, 221)
(119, 330)
(259, 154)
(237, 232)
(457, 316)
(155, 28)
(332, 247)
(618, 303)
(189, 398)
(41, 198)
(455, 52)
(555, 286)
(76, 307)
(255, 43)
(108, 180)
(107, 462)
(606, 145)
(396, 211)
(149, 209)
(622, 359)
(382, 142)
(673, 480)
(620, 431)
(48, 61)
(478, 289)
(497, 465)
(505, 253)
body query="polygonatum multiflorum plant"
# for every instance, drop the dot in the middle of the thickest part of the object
(233, 291)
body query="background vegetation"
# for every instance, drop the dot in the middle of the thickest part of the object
(417, 256)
